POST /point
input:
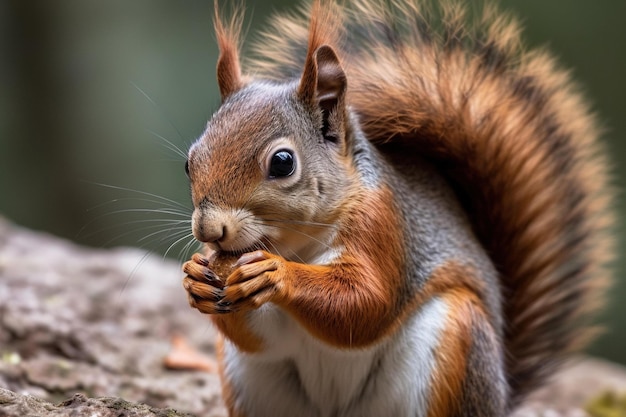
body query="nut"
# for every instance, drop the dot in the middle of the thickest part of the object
(222, 264)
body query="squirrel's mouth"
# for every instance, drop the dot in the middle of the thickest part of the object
(237, 250)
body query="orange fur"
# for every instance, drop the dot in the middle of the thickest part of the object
(462, 289)
(352, 301)
(217, 178)
(228, 394)
(235, 326)
(451, 354)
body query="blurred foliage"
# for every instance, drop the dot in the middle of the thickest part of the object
(97, 92)
(608, 404)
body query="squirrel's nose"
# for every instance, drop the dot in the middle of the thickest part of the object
(209, 232)
(209, 225)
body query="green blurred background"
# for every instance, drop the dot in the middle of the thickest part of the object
(75, 77)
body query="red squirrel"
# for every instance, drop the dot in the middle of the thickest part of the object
(417, 209)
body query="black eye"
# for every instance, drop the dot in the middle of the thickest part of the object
(187, 168)
(282, 164)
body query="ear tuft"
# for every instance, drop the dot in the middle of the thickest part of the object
(229, 77)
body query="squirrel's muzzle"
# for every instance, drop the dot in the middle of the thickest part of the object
(226, 229)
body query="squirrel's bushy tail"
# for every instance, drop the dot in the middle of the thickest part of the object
(509, 131)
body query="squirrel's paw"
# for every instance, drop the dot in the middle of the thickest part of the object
(204, 288)
(258, 279)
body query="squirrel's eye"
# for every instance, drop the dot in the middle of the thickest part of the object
(187, 168)
(282, 164)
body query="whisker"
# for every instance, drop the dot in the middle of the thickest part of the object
(158, 197)
(300, 222)
(160, 211)
(160, 110)
(148, 210)
(81, 232)
(159, 223)
(171, 233)
(184, 253)
(149, 253)
(291, 252)
(169, 145)
(301, 233)
(142, 200)
(144, 238)
(132, 273)
(186, 236)
(166, 221)
(357, 229)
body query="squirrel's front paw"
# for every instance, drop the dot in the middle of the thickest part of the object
(258, 279)
(204, 287)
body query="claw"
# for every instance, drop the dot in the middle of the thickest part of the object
(212, 279)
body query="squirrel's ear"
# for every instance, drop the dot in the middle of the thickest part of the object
(228, 73)
(324, 84)
(229, 76)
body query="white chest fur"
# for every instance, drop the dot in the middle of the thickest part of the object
(298, 375)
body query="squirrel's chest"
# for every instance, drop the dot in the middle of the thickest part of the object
(330, 377)
(325, 375)
(391, 378)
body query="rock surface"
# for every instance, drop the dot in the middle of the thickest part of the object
(86, 332)
(96, 322)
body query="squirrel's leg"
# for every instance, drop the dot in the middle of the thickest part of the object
(346, 304)
(468, 378)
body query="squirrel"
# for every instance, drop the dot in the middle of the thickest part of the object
(419, 210)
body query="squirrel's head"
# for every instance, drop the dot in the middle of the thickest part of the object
(271, 169)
